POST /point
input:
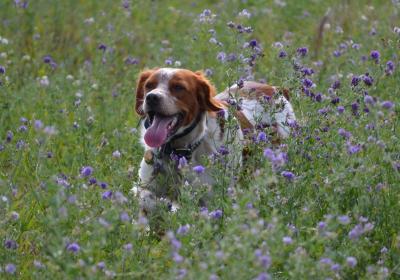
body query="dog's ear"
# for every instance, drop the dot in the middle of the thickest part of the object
(140, 90)
(206, 93)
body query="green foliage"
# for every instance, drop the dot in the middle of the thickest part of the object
(75, 109)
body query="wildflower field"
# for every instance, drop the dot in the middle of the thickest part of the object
(324, 204)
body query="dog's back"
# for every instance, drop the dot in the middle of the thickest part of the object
(260, 104)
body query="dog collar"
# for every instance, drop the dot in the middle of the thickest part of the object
(152, 157)
(187, 152)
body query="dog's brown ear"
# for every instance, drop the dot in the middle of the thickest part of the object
(140, 90)
(206, 93)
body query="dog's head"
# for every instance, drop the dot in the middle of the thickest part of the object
(171, 99)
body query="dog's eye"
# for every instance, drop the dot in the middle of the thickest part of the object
(150, 86)
(178, 87)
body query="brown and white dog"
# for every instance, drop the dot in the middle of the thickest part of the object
(182, 117)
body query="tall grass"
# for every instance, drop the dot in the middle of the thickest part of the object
(67, 79)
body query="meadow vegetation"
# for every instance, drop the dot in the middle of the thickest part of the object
(322, 205)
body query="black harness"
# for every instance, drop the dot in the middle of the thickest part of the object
(167, 150)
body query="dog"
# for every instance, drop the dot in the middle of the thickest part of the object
(183, 120)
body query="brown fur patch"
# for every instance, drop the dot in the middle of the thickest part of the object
(140, 89)
(193, 93)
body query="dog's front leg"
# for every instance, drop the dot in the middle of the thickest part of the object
(147, 199)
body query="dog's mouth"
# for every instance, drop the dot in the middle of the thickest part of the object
(161, 128)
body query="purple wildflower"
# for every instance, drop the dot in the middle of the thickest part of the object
(92, 181)
(355, 80)
(101, 265)
(73, 247)
(47, 59)
(208, 72)
(240, 84)
(354, 107)
(356, 232)
(125, 4)
(351, 261)
(302, 51)
(120, 198)
(387, 104)
(103, 185)
(282, 54)
(128, 247)
(307, 83)
(38, 264)
(2, 69)
(288, 175)
(353, 149)
(368, 80)
(344, 220)
(389, 68)
(262, 137)
(10, 268)
(223, 150)
(131, 60)
(169, 61)
(102, 47)
(263, 276)
(86, 171)
(177, 258)
(183, 230)
(336, 84)
(277, 158)
(307, 71)
(335, 267)
(20, 144)
(337, 53)
(9, 136)
(182, 162)
(221, 56)
(116, 154)
(230, 24)
(22, 128)
(10, 244)
(124, 217)
(325, 261)
(231, 57)
(287, 240)
(340, 109)
(375, 55)
(335, 100)
(321, 225)
(368, 227)
(344, 133)
(368, 99)
(38, 124)
(323, 111)
(106, 194)
(21, 4)
(216, 214)
(253, 43)
(265, 261)
(318, 97)
(199, 169)
(143, 221)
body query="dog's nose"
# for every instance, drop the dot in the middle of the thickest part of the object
(153, 99)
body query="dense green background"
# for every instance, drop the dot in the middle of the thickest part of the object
(330, 183)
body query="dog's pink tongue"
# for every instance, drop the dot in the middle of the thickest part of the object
(157, 133)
